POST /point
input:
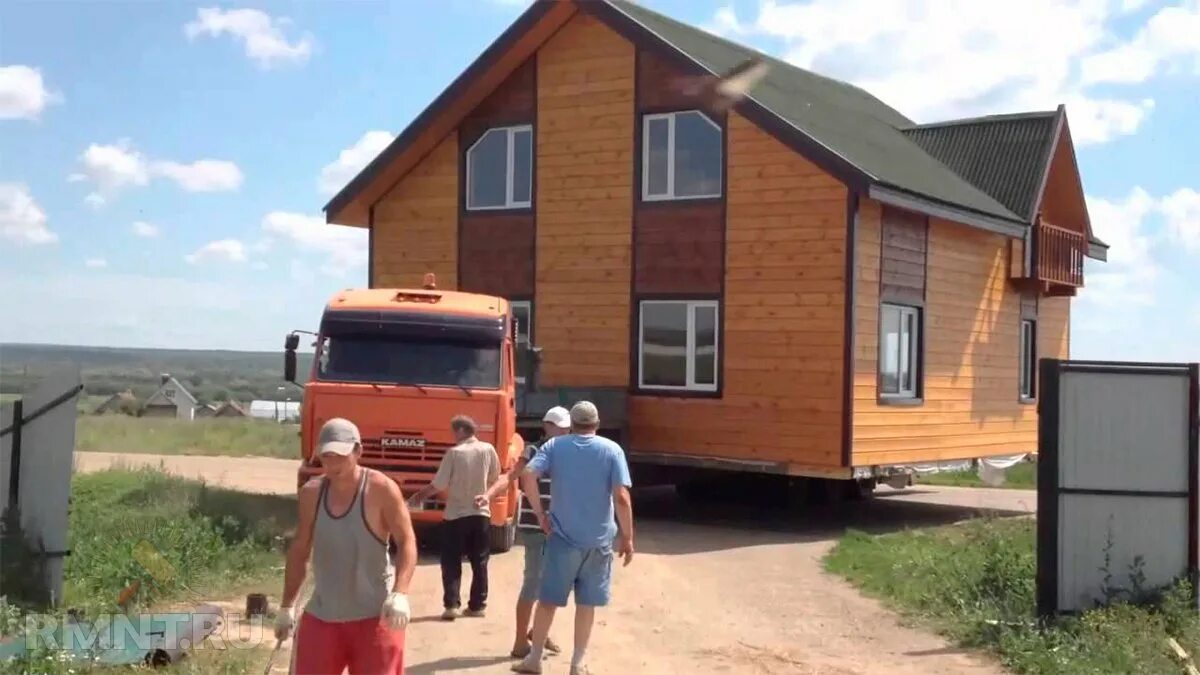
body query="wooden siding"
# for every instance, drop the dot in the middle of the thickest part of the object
(416, 223)
(584, 204)
(972, 333)
(497, 255)
(496, 248)
(679, 248)
(783, 315)
(1063, 202)
(904, 246)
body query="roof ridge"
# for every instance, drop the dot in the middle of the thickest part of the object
(984, 119)
(773, 60)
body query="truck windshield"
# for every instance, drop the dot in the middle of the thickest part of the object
(411, 360)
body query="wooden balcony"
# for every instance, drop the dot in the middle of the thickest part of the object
(1055, 264)
(1058, 255)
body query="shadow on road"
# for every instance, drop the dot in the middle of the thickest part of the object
(455, 663)
(670, 525)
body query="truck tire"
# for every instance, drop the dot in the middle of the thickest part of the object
(503, 537)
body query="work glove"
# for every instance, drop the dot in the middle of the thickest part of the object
(285, 623)
(395, 610)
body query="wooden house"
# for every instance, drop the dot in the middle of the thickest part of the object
(172, 399)
(809, 283)
(123, 402)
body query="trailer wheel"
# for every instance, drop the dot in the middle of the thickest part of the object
(503, 537)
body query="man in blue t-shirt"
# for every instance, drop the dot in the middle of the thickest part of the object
(588, 474)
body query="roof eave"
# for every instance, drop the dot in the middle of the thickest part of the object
(421, 122)
(904, 199)
(1097, 250)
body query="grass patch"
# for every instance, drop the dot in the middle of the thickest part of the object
(237, 437)
(975, 584)
(1022, 476)
(208, 543)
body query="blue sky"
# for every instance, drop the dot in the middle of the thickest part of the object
(163, 165)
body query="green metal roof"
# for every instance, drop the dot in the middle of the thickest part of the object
(1003, 155)
(845, 120)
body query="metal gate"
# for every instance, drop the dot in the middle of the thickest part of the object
(37, 451)
(1118, 480)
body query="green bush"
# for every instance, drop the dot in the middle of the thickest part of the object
(975, 584)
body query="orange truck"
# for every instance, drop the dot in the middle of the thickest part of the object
(400, 363)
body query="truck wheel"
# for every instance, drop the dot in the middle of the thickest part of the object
(502, 537)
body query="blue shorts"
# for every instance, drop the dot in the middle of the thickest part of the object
(587, 571)
(534, 542)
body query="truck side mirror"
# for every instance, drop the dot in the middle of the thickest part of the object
(289, 357)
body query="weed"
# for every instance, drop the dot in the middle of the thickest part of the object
(1021, 476)
(238, 437)
(975, 583)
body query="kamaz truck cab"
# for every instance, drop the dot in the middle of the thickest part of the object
(400, 363)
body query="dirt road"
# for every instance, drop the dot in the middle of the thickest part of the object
(713, 589)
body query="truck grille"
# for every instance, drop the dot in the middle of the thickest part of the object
(424, 455)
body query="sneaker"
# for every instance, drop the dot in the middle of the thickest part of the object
(450, 614)
(474, 613)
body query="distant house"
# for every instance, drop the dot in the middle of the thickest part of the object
(206, 410)
(121, 402)
(171, 400)
(230, 409)
(280, 411)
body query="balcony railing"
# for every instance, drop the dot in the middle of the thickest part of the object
(1058, 255)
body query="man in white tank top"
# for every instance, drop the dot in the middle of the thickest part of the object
(358, 611)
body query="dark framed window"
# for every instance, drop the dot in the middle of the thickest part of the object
(677, 345)
(1027, 381)
(500, 169)
(900, 353)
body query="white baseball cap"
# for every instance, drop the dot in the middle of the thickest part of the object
(558, 416)
(338, 436)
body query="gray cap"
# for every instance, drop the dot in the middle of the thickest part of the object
(584, 414)
(338, 436)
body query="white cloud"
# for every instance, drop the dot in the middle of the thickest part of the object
(205, 175)
(144, 229)
(260, 33)
(350, 161)
(111, 168)
(22, 220)
(1167, 39)
(1128, 277)
(23, 93)
(1182, 212)
(345, 247)
(224, 250)
(95, 263)
(114, 167)
(935, 61)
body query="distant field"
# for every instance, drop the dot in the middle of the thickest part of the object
(210, 375)
(232, 437)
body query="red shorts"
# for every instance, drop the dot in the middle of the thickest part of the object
(365, 646)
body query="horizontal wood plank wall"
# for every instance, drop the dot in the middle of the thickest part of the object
(904, 248)
(584, 192)
(496, 248)
(1063, 201)
(972, 324)
(416, 223)
(784, 292)
(1054, 328)
(679, 243)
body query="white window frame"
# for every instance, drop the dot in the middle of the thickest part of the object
(509, 203)
(1027, 390)
(913, 355)
(670, 194)
(690, 379)
(528, 305)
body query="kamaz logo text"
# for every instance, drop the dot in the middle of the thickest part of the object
(394, 443)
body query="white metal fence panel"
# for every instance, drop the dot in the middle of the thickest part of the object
(1117, 480)
(40, 448)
